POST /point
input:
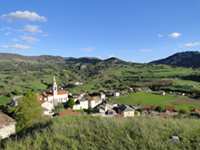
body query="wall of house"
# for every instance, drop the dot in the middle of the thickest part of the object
(50, 99)
(129, 114)
(48, 106)
(7, 131)
(92, 104)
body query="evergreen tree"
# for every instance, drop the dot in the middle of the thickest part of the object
(70, 103)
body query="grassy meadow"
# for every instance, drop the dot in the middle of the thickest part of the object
(151, 99)
(99, 133)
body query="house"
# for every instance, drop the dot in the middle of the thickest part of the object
(102, 96)
(137, 89)
(161, 93)
(91, 102)
(78, 83)
(103, 108)
(48, 107)
(111, 112)
(7, 126)
(126, 111)
(116, 94)
(136, 106)
(81, 103)
(55, 97)
(114, 104)
(77, 96)
(148, 108)
(196, 111)
(68, 112)
(186, 85)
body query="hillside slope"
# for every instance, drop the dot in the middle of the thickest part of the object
(96, 133)
(183, 59)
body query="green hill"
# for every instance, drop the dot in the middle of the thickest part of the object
(96, 133)
(183, 59)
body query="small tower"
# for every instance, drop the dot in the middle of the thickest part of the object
(54, 87)
(54, 92)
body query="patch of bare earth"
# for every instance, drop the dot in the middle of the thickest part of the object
(186, 100)
(100, 79)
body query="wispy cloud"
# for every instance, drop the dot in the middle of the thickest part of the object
(16, 47)
(45, 34)
(22, 16)
(32, 29)
(174, 35)
(27, 39)
(87, 49)
(7, 33)
(109, 56)
(175, 50)
(190, 44)
(160, 35)
(146, 50)
(124, 51)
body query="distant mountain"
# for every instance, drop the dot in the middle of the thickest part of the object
(183, 59)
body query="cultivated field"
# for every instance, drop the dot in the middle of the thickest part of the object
(186, 100)
(152, 99)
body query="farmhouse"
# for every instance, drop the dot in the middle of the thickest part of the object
(7, 126)
(148, 108)
(81, 103)
(55, 96)
(126, 111)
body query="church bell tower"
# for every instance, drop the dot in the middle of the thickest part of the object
(54, 92)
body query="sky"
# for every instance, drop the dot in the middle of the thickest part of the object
(131, 30)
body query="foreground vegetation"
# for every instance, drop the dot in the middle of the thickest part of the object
(86, 132)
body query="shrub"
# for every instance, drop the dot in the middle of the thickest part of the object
(159, 108)
(184, 111)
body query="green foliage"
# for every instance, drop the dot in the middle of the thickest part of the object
(136, 113)
(59, 107)
(28, 109)
(159, 108)
(140, 110)
(184, 111)
(70, 103)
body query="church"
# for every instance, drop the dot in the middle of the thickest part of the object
(55, 97)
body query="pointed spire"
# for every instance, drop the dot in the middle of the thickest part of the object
(54, 79)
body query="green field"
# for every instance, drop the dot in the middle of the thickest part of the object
(5, 100)
(151, 99)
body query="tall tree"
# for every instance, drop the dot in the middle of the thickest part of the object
(70, 103)
(28, 109)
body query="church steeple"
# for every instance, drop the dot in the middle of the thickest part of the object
(54, 87)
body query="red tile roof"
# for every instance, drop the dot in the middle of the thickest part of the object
(62, 92)
(148, 107)
(196, 110)
(42, 102)
(169, 108)
(69, 112)
(40, 96)
(90, 98)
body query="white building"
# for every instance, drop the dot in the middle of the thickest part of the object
(7, 126)
(116, 94)
(48, 107)
(81, 104)
(78, 83)
(55, 96)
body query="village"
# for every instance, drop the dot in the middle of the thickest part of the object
(99, 105)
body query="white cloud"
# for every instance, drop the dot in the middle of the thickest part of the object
(16, 47)
(109, 56)
(45, 34)
(174, 35)
(175, 50)
(29, 39)
(22, 16)
(15, 40)
(160, 35)
(32, 28)
(191, 44)
(7, 33)
(146, 50)
(99, 57)
(124, 51)
(87, 49)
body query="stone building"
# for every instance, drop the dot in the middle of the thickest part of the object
(7, 125)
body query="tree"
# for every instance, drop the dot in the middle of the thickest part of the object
(28, 109)
(136, 113)
(184, 111)
(140, 110)
(70, 103)
(159, 108)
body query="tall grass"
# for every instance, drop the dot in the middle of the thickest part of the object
(86, 132)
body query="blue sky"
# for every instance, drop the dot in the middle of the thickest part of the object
(131, 30)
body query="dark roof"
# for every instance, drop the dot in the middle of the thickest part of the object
(125, 108)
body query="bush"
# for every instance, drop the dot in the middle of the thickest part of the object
(184, 111)
(59, 107)
(70, 103)
(136, 113)
(139, 110)
(159, 108)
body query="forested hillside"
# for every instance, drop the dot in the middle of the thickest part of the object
(183, 59)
